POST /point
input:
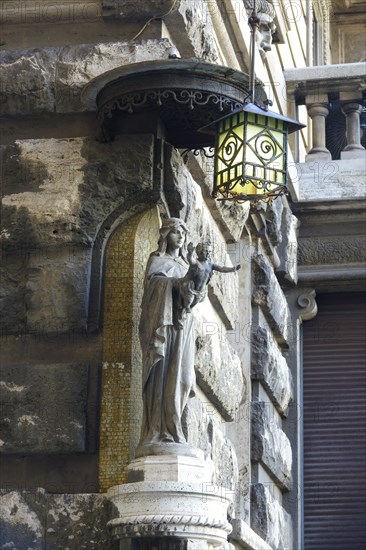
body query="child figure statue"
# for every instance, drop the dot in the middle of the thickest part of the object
(193, 286)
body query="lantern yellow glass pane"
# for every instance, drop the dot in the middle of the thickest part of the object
(251, 162)
(262, 147)
(230, 153)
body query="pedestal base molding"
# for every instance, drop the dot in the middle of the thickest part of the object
(174, 498)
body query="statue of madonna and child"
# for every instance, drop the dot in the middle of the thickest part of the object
(174, 283)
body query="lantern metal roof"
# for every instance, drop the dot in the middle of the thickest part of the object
(293, 124)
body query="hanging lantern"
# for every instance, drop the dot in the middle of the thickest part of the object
(251, 154)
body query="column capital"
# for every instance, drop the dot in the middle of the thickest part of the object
(351, 107)
(318, 109)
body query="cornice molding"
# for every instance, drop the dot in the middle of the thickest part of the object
(335, 278)
(29, 11)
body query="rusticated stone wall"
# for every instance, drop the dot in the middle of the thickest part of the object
(273, 333)
(37, 520)
(94, 212)
(76, 234)
(100, 214)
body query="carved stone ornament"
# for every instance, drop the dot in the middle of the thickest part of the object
(142, 524)
(308, 307)
(267, 28)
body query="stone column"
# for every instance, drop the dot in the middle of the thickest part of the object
(354, 149)
(318, 113)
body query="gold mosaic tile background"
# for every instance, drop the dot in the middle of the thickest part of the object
(127, 253)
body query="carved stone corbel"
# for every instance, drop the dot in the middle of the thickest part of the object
(306, 304)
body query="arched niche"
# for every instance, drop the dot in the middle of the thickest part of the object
(125, 259)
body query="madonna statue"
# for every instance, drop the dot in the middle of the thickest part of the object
(167, 342)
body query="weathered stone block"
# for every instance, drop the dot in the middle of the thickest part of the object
(188, 22)
(12, 293)
(198, 423)
(45, 290)
(79, 521)
(28, 81)
(37, 520)
(246, 537)
(60, 191)
(42, 180)
(136, 9)
(287, 271)
(49, 14)
(58, 194)
(56, 291)
(270, 445)
(270, 367)
(269, 519)
(204, 428)
(196, 20)
(20, 526)
(274, 222)
(42, 80)
(43, 408)
(268, 294)
(218, 367)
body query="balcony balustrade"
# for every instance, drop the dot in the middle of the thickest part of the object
(335, 97)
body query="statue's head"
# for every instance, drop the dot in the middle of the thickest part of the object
(204, 251)
(266, 29)
(172, 225)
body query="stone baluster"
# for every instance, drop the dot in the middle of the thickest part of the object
(318, 111)
(353, 149)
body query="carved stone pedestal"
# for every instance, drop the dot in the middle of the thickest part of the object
(170, 503)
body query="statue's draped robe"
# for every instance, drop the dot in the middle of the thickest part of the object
(168, 353)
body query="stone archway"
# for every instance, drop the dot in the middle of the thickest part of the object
(126, 255)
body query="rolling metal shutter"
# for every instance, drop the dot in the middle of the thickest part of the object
(334, 385)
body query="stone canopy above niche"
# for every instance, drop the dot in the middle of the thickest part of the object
(183, 94)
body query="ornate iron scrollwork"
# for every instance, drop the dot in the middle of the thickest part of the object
(135, 101)
(181, 96)
(208, 152)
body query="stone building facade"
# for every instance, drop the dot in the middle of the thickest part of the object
(82, 201)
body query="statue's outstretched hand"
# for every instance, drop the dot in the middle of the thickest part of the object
(238, 266)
